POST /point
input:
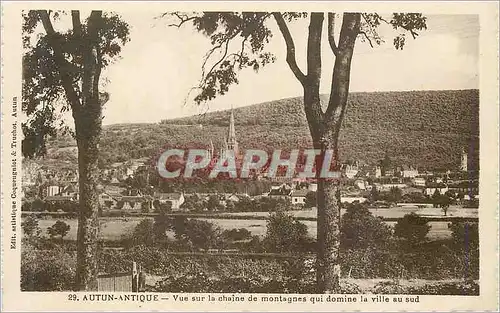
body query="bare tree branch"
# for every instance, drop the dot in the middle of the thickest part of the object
(207, 57)
(182, 19)
(220, 60)
(290, 48)
(331, 34)
(373, 31)
(367, 38)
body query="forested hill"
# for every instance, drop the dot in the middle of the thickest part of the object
(428, 129)
(424, 128)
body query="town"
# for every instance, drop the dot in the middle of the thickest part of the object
(128, 187)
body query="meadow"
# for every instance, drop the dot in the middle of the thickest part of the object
(114, 228)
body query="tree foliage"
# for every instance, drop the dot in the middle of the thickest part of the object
(44, 94)
(59, 228)
(30, 227)
(360, 229)
(239, 41)
(412, 228)
(285, 234)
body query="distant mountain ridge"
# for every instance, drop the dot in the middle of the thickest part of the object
(426, 129)
(414, 127)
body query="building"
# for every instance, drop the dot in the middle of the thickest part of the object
(137, 203)
(299, 196)
(52, 189)
(175, 198)
(351, 171)
(463, 162)
(351, 199)
(431, 188)
(409, 172)
(313, 187)
(465, 187)
(375, 172)
(419, 181)
(388, 187)
(281, 193)
(230, 142)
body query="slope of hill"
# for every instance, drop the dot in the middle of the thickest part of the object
(428, 129)
(425, 128)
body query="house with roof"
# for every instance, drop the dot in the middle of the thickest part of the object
(375, 172)
(313, 187)
(465, 187)
(70, 190)
(352, 199)
(137, 203)
(350, 171)
(299, 196)
(409, 172)
(419, 181)
(283, 193)
(175, 198)
(431, 188)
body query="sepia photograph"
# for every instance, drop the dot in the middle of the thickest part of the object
(234, 152)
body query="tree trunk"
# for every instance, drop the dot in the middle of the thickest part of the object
(325, 129)
(88, 122)
(88, 223)
(328, 269)
(328, 223)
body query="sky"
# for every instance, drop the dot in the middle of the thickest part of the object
(160, 64)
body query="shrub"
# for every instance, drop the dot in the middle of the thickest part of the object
(59, 228)
(47, 270)
(159, 262)
(360, 229)
(412, 228)
(237, 234)
(465, 234)
(30, 226)
(144, 233)
(286, 234)
(370, 263)
(201, 234)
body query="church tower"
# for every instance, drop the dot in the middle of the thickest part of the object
(232, 144)
(463, 163)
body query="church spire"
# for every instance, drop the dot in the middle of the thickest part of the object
(231, 136)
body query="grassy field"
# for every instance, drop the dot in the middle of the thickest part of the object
(115, 228)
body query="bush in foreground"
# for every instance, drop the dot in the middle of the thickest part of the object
(47, 270)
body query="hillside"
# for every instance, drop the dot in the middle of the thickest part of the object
(427, 129)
